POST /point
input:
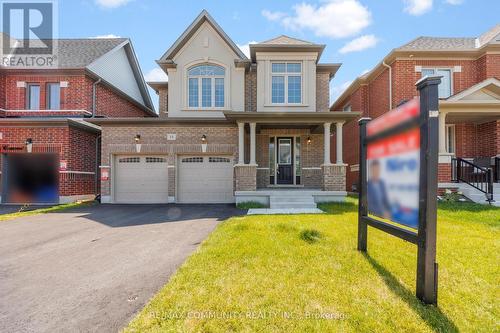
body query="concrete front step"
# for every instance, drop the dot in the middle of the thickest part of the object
(294, 201)
(293, 205)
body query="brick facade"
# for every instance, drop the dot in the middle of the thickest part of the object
(72, 145)
(322, 92)
(76, 96)
(75, 146)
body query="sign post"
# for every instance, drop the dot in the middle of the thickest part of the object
(398, 179)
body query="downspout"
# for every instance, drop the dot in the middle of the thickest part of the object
(94, 92)
(97, 162)
(390, 83)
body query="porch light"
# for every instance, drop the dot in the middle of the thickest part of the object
(29, 145)
(138, 145)
(309, 140)
(204, 143)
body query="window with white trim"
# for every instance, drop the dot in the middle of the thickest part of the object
(53, 96)
(33, 96)
(206, 86)
(450, 138)
(445, 88)
(347, 108)
(286, 83)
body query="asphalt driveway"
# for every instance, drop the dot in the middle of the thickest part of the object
(93, 268)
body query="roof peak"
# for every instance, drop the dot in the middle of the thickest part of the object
(286, 40)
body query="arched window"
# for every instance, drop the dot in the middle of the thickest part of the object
(206, 86)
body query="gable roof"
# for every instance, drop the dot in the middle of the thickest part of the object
(285, 43)
(492, 85)
(286, 40)
(472, 47)
(203, 17)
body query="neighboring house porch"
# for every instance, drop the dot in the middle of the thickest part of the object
(469, 141)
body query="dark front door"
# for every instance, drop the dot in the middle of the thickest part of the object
(285, 161)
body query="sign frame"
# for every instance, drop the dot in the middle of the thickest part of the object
(425, 237)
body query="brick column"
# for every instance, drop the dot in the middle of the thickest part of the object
(333, 177)
(246, 177)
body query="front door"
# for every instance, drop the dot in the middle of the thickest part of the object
(285, 161)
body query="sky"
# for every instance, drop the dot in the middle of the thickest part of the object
(357, 33)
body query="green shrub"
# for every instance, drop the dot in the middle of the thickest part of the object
(250, 204)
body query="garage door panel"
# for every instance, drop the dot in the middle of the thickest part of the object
(141, 179)
(205, 179)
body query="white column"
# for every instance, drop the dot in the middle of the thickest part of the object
(339, 142)
(442, 132)
(241, 143)
(327, 143)
(252, 143)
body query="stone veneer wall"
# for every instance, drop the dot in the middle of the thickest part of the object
(334, 177)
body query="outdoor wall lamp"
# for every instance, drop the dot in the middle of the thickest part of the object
(309, 140)
(204, 143)
(29, 145)
(137, 140)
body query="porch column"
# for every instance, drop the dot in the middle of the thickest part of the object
(241, 143)
(339, 142)
(327, 160)
(442, 132)
(252, 143)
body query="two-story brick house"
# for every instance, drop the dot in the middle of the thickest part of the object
(49, 151)
(230, 128)
(469, 114)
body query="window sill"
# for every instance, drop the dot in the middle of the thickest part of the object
(285, 105)
(206, 109)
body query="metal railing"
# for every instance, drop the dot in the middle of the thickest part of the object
(480, 178)
(497, 170)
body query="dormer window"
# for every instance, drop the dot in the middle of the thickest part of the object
(206, 86)
(286, 83)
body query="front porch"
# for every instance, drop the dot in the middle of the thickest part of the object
(469, 142)
(287, 156)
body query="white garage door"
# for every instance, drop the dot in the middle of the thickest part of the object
(141, 179)
(205, 179)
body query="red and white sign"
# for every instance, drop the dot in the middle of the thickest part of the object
(398, 144)
(394, 117)
(104, 174)
(63, 165)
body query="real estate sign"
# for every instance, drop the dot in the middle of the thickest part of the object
(398, 179)
(393, 165)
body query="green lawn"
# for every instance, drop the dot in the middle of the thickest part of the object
(53, 209)
(302, 273)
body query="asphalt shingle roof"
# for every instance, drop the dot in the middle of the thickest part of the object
(436, 43)
(79, 53)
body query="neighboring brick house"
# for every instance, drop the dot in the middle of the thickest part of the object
(230, 128)
(49, 151)
(469, 98)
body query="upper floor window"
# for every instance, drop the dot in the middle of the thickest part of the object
(286, 83)
(53, 96)
(347, 108)
(445, 87)
(33, 96)
(206, 86)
